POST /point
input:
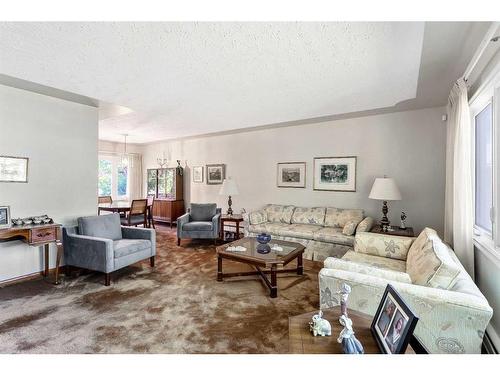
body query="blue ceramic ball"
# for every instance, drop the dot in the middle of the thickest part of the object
(263, 238)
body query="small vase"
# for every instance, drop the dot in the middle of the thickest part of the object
(263, 238)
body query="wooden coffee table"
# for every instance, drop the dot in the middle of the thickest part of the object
(301, 341)
(270, 263)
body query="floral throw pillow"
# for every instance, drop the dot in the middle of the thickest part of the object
(350, 228)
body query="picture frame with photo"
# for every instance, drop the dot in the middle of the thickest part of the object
(291, 175)
(216, 173)
(198, 174)
(335, 173)
(393, 323)
(5, 219)
(13, 169)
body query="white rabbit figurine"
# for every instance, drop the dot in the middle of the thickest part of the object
(320, 326)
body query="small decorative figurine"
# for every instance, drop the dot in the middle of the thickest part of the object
(320, 326)
(344, 291)
(350, 344)
(180, 170)
(403, 218)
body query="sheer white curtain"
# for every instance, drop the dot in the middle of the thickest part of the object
(135, 176)
(458, 225)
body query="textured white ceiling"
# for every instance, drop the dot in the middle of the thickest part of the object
(183, 79)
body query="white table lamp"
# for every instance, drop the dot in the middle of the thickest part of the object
(229, 188)
(385, 189)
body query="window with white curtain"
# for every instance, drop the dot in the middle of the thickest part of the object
(113, 177)
(483, 128)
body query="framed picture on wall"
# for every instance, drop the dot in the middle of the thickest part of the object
(292, 174)
(5, 221)
(13, 169)
(216, 173)
(197, 174)
(335, 173)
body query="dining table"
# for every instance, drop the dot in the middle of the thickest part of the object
(122, 207)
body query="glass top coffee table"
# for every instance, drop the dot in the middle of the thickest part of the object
(263, 258)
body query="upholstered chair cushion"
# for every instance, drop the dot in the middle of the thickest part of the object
(277, 213)
(395, 247)
(375, 261)
(430, 264)
(257, 217)
(365, 225)
(104, 226)
(203, 211)
(338, 217)
(126, 247)
(309, 215)
(197, 226)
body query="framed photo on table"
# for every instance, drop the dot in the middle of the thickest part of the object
(335, 173)
(13, 169)
(216, 173)
(393, 323)
(291, 175)
(5, 221)
(197, 174)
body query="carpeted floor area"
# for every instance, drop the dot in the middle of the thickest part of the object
(177, 307)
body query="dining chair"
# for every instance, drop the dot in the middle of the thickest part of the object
(137, 214)
(104, 199)
(151, 202)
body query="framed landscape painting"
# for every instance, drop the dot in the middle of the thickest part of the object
(197, 174)
(335, 173)
(216, 173)
(292, 175)
(13, 169)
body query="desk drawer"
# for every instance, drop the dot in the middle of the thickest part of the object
(43, 235)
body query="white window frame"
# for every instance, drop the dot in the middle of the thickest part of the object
(489, 93)
(115, 162)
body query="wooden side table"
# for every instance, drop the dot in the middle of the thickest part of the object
(38, 235)
(301, 341)
(236, 219)
(396, 231)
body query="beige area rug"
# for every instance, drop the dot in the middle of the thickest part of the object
(177, 307)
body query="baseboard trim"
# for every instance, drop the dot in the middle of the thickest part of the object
(30, 276)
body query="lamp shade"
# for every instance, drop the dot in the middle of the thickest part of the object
(229, 187)
(385, 189)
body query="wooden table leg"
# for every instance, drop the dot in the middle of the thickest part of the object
(46, 270)
(274, 284)
(60, 250)
(237, 230)
(219, 268)
(300, 267)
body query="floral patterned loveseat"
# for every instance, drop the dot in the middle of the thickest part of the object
(453, 314)
(324, 231)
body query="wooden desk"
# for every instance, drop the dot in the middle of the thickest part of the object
(41, 235)
(301, 341)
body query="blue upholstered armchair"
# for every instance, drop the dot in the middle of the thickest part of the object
(99, 243)
(201, 221)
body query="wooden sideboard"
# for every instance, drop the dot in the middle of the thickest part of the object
(167, 210)
(38, 235)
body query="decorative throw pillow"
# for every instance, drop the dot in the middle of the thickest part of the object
(365, 225)
(430, 264)
(339, 217)
(350, 228)
(257, 217)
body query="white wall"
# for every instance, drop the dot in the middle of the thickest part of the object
(408, 146)
(60, 139)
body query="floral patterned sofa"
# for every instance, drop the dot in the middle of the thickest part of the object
(453, 314)
(324, 231)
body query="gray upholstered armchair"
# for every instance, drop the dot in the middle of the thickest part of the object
(201, 221)
(99, 243)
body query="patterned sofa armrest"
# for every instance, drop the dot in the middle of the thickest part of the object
(449, 321)
(382, 245)
(341, 264)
